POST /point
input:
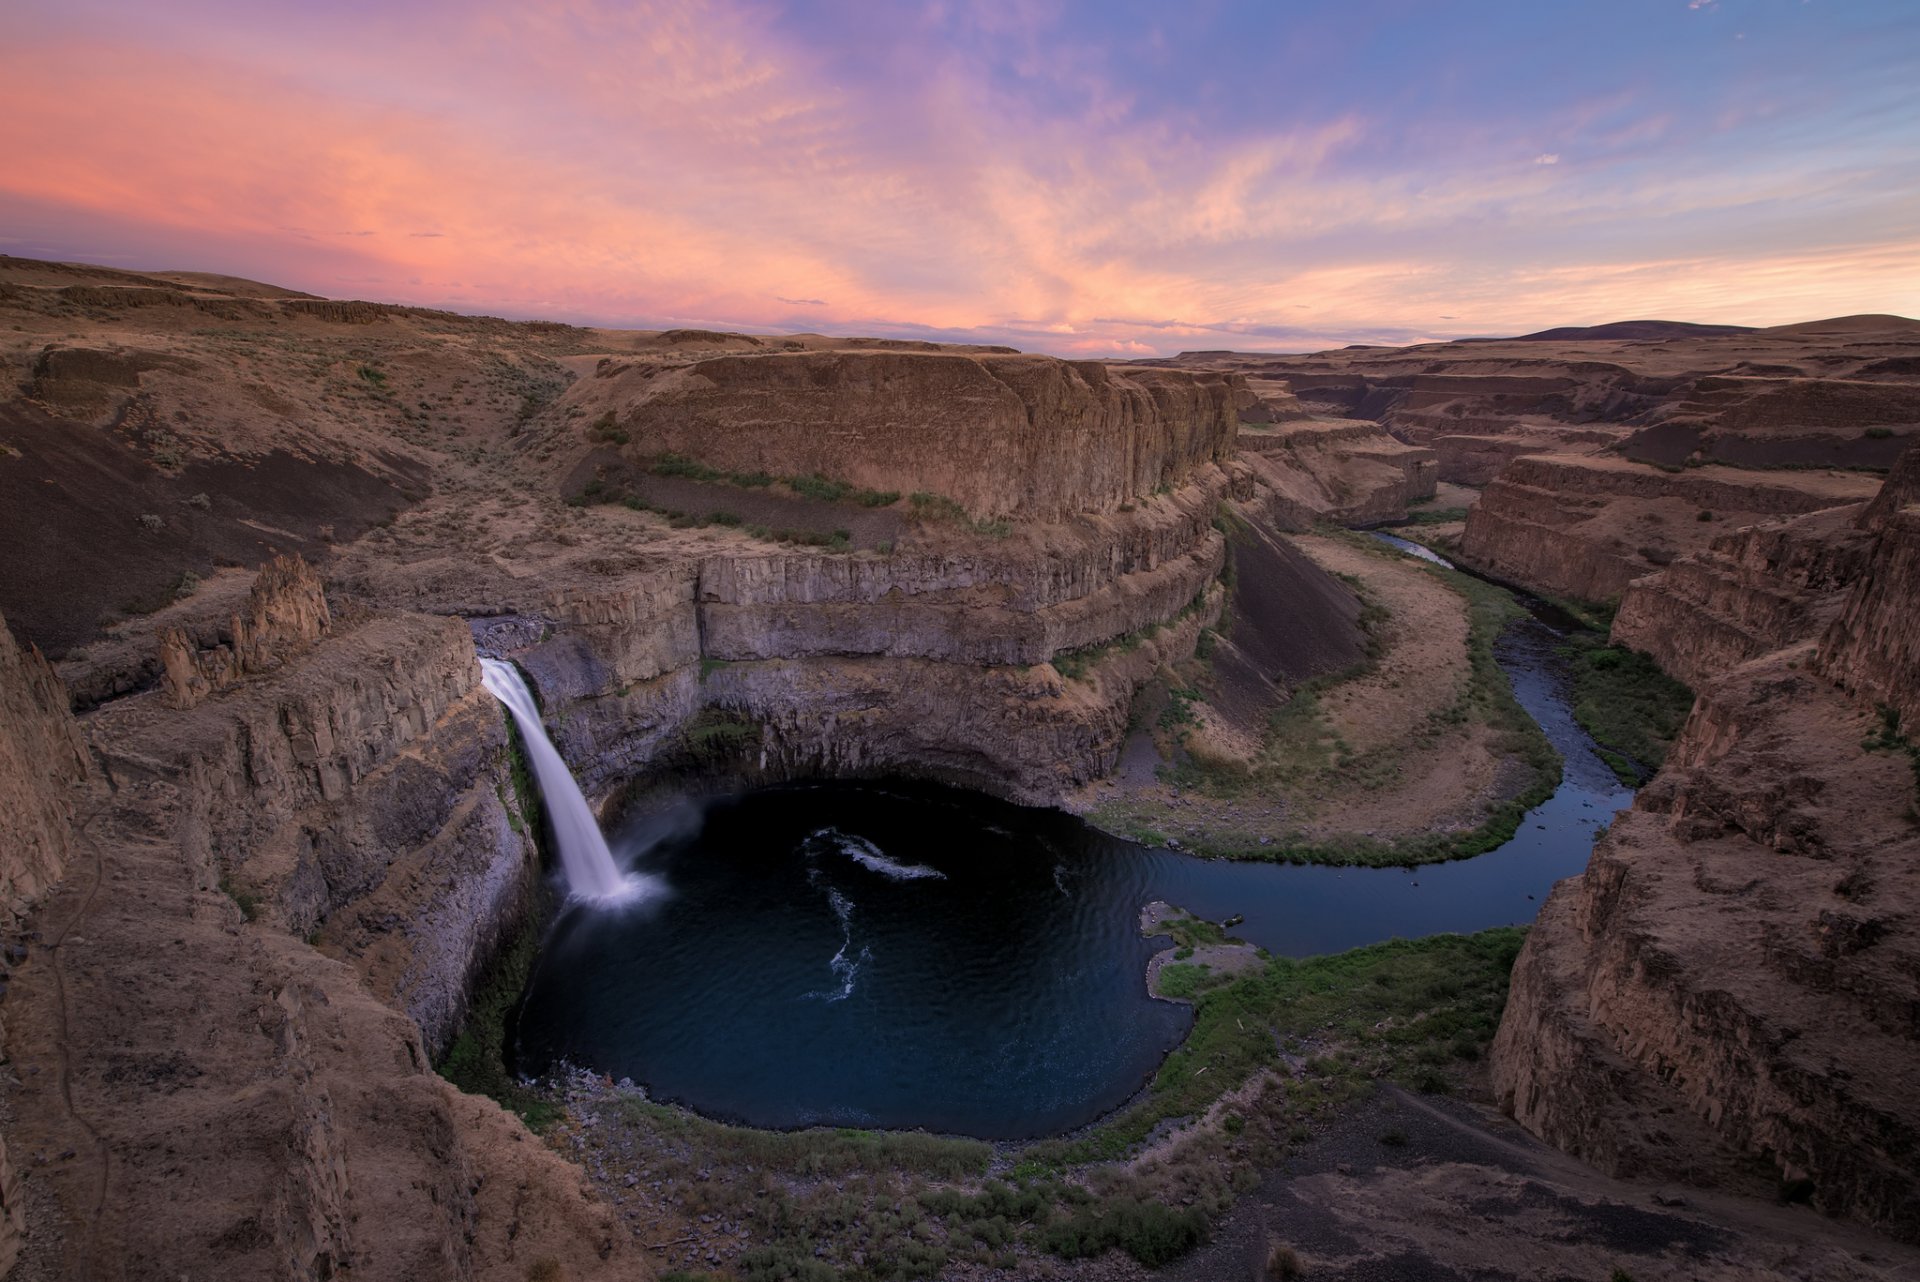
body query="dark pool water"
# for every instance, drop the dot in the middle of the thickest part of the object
(905, 955)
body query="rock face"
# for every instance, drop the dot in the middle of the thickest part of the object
(1748, 593)
(42, 757)
(931, 661)
(360, 797)
(1873, 648)
(286, 612)
(1347, 473)
(1003, 436)
(1586, 527)
(1727, 994)
(1839, 393)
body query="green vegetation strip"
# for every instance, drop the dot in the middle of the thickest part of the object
(476, 1062)
(1301, 754)
(1630, 707)
(1289, 1042)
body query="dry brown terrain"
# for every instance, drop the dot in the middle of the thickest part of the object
(270, 835)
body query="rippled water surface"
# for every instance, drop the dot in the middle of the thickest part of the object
(903, 955)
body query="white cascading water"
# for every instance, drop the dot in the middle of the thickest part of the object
(591, 872)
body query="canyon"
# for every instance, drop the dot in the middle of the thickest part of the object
(271, 838)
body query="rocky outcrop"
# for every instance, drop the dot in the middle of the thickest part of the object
(1873, 648)
(42, 758)
(359, 798)
(360, 794)
(1585, 526)
(1756, 590)
(1727, 994)
(1753, 421)
(1026, 437)
(285, 613)
(1347, 473)
(942, 649)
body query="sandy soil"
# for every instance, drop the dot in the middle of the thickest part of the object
(1372, 761)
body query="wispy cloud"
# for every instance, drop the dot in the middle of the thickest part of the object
(1027, 170)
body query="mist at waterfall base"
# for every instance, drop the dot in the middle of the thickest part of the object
(584, 857)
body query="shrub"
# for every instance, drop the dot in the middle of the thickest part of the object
(1283, 1264)
(1148, 1231)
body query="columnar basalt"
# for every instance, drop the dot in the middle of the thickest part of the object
(953, 635)
(1026, 437)
(1586, 527)
(1756, 590)
(1728, 991)
(1347, 473)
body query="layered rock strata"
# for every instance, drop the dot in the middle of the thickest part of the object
(1756, 590)
(1026, 437)
(285, 612)
(932, 660)
(1347, 473)
(42, 759)
(1585, 527)
(1728, 992)
(213, 1097)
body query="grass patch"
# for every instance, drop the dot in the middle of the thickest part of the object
(1390, 1011)
(1301, 753)
(1888, 737)
(1437, 516)
(476, 1061)
(927, 506)
(245, 900)
(1078, 664)
(1630, 707)
(865, 1205)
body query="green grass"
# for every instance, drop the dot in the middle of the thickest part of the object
(1078, 664)
(1630, 707)
(1437, 516)
(927, 506)
(1392, 1011)
(878, 1205)
(476, 1061)
(1301, 752)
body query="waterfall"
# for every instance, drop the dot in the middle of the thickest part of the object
(591, 873)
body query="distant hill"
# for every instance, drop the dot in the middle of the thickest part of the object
(1631, 331)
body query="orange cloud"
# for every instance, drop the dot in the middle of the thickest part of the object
(673, 161)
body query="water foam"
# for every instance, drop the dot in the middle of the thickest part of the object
(844, 968)
(873, 859)
(584, 858)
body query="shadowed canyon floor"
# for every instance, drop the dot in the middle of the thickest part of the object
(276, 854)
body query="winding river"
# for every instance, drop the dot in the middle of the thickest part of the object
(889, 954)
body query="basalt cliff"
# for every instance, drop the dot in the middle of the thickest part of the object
(1727, 995)
(270, 837)
(264, 860)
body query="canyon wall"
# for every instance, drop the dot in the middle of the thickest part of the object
(1727, 994)
(359, 798)
(932, 660)
(1025, 437)
(42, 758)
(1346, 473)
(1585, 526)
(1756, 590)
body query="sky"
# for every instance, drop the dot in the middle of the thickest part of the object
(1105, 178)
